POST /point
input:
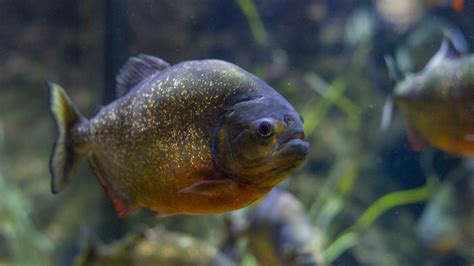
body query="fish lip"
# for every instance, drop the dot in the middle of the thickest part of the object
(292, 139)
(294, 144)
(299, 145)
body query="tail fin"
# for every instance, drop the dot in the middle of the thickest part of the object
(67, 153)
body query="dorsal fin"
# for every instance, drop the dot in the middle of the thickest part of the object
(451, 48)
(136, 69)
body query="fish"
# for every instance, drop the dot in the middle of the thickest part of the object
(446, 225)
(438, 102)
(277, 231)
(199, 137)
(151, 246)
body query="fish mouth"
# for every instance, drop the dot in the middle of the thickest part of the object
(294, 146)
(294, 136)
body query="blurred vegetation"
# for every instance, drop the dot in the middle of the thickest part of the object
(362, 189)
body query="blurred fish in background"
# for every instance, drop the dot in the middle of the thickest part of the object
(438, 102)
(153, 246)
(446, 227)
(278, 232)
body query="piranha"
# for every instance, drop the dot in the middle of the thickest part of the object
(199, 137)
(446, 225)
(154, 246)
(438, 102)
(280, 233)
(277, 232)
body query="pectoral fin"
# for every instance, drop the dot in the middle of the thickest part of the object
(208, 187)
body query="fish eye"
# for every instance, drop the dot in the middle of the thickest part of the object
(265, 129)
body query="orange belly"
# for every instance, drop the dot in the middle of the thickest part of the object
(232, 198)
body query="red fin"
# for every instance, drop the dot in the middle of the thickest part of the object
(417, 143)
(122, 208)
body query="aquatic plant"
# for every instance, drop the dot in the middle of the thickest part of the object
(249, 9)
(331, 94)
(349, 237)
(26, 245)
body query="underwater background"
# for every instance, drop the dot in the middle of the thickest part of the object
(362, 197)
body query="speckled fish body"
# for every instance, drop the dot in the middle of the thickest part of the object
(439, 101)
(156, 140)
(179, 141)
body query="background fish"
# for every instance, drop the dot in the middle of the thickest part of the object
(151, 247)
(438, 102)
(200, 137)
(447, 224)
(277, 232)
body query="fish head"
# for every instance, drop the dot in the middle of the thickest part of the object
(260, 140)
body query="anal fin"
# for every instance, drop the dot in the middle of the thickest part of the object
(121, 206)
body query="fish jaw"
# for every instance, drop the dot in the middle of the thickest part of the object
(296, 149)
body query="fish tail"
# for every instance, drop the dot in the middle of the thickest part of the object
(70, 145)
